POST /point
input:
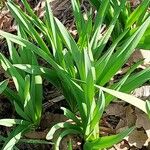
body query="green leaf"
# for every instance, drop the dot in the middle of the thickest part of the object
(12, 96)
(62, 135)
(21, 112)
(135, 15)
(121, 84)
(60, 71)
(98, 23)
(25, 53)
(36, 95)
(71, 116)
(17, 78)
(125, 78)
(70, 145)
(21, 18)
(27, 89)
(13, 53)
(55, 40)
(136, 80)
(126, 97)
(144, 42)
(26, 43)
(148, 107)
(47, 73)
(12, 122)
(51, 27)
(98, 111)
(33, 69)
(3, 85)
(69, 62)
(103, 41)
(123, 53)
(58, 126)
(71, 45)
(28, 101)
(90, 77)
(108, 141)
(104, 60)
(2, 138)
(101, 15)
(14, 137)
(34, 17)
(89, 89)
(96, 3)
(78, 16)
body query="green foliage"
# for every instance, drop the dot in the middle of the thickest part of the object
(27, 95)
(148, 107)
(27, 100)
(3, 85)
(107, 141)
(128, 18)
(70, 145)
(82, 69)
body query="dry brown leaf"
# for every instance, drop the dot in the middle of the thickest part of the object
(130, 116)
(113, 148)
(115, 109)
(138, 55)
(40, 8)
(6, 21)
(36, 135)
(122, 123)
(134, 3)
(122, 129)
(75, 140)
(143, 121)
(49, 119)
(122, 146)
(147, 143)
(59, 6)
(137, 138)
(143, 92)
(128, 119)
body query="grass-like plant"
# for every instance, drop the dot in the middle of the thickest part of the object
(25, 93)
(3, 85)
(129, 18)
(82, 69)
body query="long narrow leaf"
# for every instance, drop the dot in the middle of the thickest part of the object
(137, 13)
(12, 122)
(14, 137)
(121, 56)
(21, 18)
(3, 85)
(59, 126)
(108, 141)
(127, 98)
